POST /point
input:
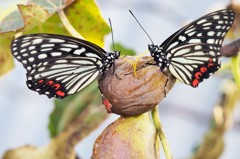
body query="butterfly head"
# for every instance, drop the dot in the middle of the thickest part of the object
(113, 55)
(154, 49)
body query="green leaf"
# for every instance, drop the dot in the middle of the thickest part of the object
(86, 18)
(67, 110)
(124, 50)
(62, 146)
(6, 60)
(32, 16)
(52, 5)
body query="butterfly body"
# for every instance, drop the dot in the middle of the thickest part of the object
(59, 65)
(192, 53)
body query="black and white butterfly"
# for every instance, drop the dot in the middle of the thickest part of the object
(192, 53)
(58, 65)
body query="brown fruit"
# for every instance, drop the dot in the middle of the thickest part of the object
(126, 94)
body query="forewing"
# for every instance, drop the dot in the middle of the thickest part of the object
(209, 29)
(57, 65)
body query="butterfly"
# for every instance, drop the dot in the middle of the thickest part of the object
(58, 65)
(192, 53)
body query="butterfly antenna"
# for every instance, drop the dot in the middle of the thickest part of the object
(141, 26)
(112, 33)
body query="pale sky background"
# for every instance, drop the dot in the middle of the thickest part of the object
(185, 113)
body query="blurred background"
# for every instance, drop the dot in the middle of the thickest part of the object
(185, 113)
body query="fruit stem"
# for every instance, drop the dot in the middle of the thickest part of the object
(160, 132)
(236, 69)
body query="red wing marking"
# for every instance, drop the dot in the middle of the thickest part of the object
(49, 82)
(210, 65)
(40, 81)
(198, 75)
(56, 86)
(195, 83)
(203, 69)
(60, 93)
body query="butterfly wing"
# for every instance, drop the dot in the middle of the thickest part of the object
(58, 65)
(197, 46)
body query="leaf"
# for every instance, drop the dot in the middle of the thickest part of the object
(13, 22)
(51, 5)
(6, 60)
(62, 146)
(68, 110)
(86, 18)
(124, 50)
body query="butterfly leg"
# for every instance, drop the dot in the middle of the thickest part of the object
(165, 93)
(115, 73)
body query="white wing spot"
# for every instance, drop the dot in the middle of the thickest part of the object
(220, 22)
(191, 33)
(19, 57)
(61, 61)
(182, 38)
(195, 41)
(78, 52)
(23, 50)
(173, 44)
(207, 24)
(37, 41)
(198, 47)
(223, 34)
(70, 45)
(29, 78)
(46, 49)
(201, 21)
(56, 53)
(210, 41)
(199, 34)
(32, 47)
(219, 33)
(27, 38)
(15, 48)
(24, 61)
(216, 17)
(212, 53)
(25, 44)
(65, 49)
(210, 33)
(31, 59)
(14, 44)
(56, 40)
(15, 53)
(41, 69)
(33, 52)
(218, 27)
(29, 68)
(42, 56)
(47, 45)
(25, 55)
